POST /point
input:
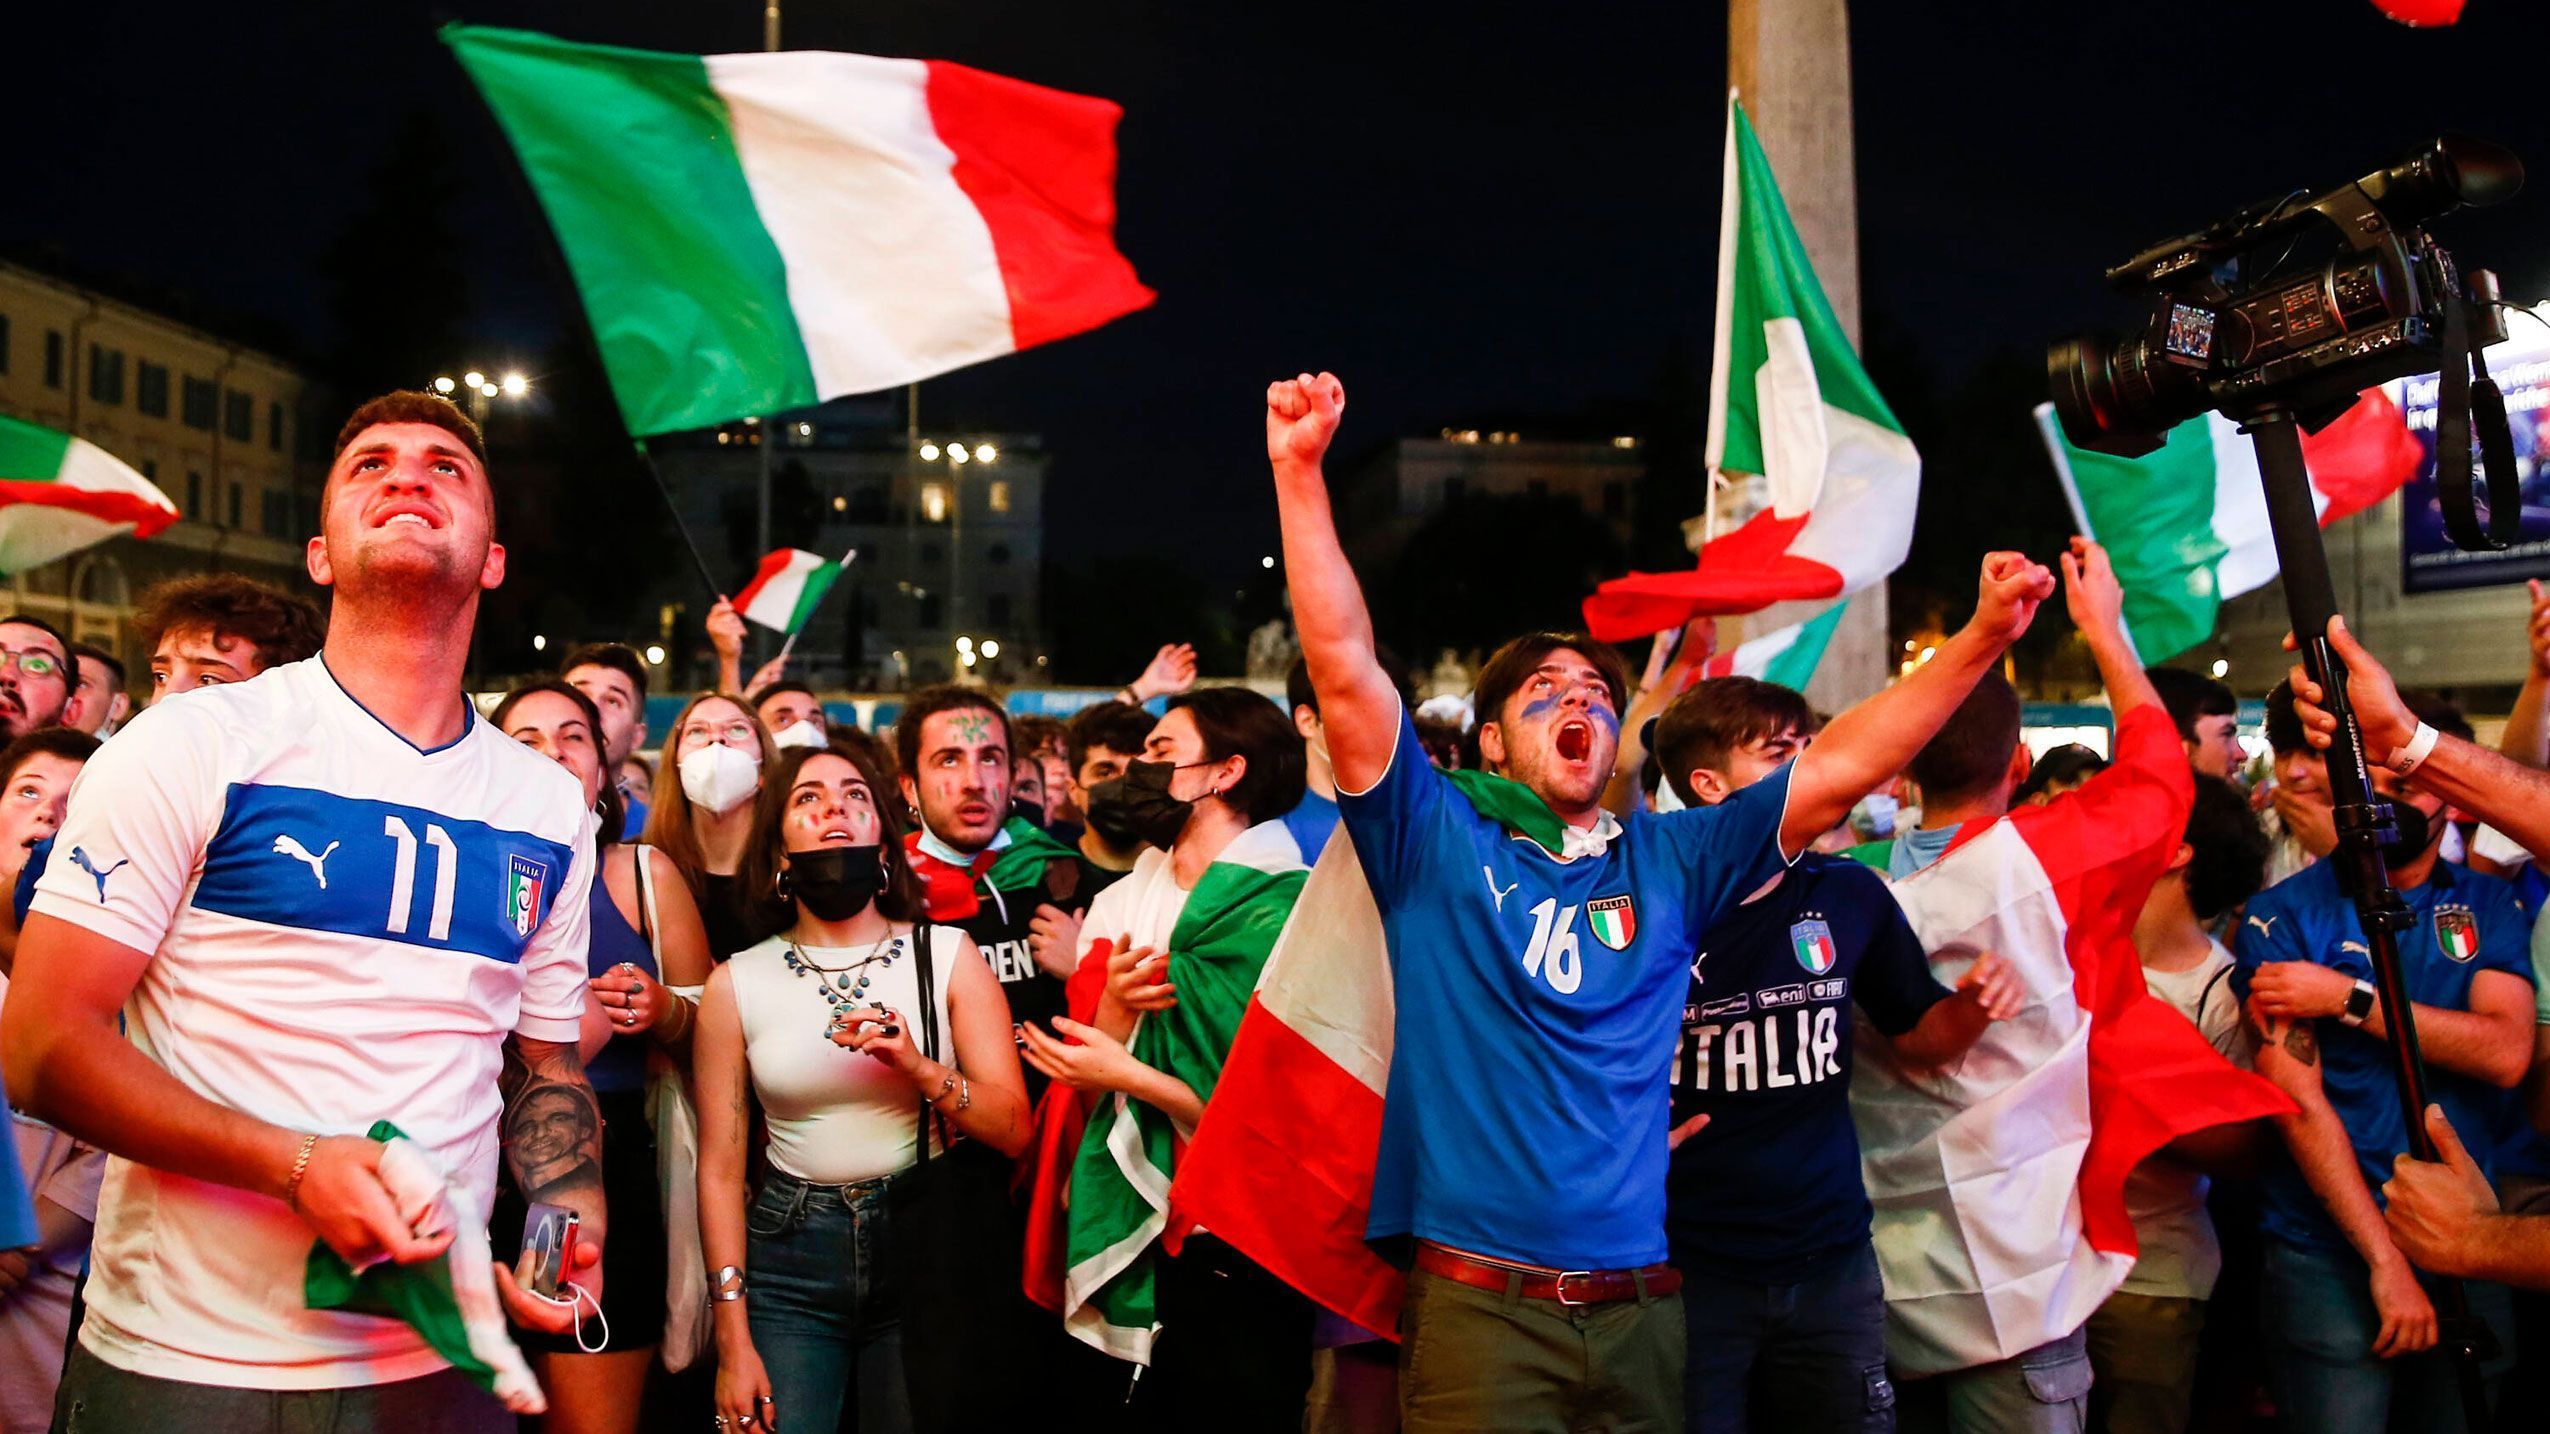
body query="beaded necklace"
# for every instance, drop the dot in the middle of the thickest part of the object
(840, 992)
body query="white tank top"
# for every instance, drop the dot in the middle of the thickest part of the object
(836, 1116)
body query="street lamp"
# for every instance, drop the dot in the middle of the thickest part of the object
(474, 388)
(957, 456)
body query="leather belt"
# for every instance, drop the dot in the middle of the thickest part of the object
(1567, 1287)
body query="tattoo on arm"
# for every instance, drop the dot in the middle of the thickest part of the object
(2302, 1042)
(552, 1127)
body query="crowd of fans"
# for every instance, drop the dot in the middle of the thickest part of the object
(1740, 1080)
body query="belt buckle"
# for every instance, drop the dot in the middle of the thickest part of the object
(1559, 1291)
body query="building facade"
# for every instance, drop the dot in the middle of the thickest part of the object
(949, 551)
(225, 430)
(1386, 499)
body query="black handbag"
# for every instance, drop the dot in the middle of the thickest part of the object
(956, 1240)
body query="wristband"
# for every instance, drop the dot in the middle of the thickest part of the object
(2404, 760)
(300, 1167)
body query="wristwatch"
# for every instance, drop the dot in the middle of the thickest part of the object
(2359, 1005)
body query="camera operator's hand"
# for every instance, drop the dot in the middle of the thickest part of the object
(2439, 1211)
(2091, 593)
(2386, 720)
(2007, 596)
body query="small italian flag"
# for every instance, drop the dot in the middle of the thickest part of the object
(2186, 525)
(757, 233)
(59, 494)
(787, 587)
(1789, 401)
(1787, 656)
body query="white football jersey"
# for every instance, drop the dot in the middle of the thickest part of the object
(344, 928)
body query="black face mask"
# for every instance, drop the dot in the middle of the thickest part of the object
(834, 883)
(1147, 809)
(2416, 829)
(1104, 808)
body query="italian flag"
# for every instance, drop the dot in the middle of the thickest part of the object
(59, 494)
(1281, 1167)
(760, 232)
(787, 587)
(1116, 1207)
(1789, 401)
(1998, 1181)
(1786, 656)
(2186, 525)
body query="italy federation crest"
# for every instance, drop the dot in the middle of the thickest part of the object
(1812, 940)
(2457, 933)
(524, 879)
(1614, 920)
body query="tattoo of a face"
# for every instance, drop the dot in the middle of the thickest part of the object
(552, 1127)
(2302, 1042)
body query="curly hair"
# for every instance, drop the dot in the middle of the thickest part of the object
(283, 627)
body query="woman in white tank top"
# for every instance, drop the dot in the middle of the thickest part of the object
(819, 1023)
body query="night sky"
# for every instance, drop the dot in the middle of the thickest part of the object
(1463, 209)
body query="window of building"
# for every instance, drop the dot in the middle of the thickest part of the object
(277, 514)
(150, 469)
(997, 613)
(867, 503)
(274, 427)
(195, 496)
(932, 553)
(1000, 496)
(150, 388)
(106, 374)
(4, 343)
(53, 360)
(197, 399)
(237, 494)
(933, 614)
(934, 502)
(239, 417)
(1615, 499)
(998, 555)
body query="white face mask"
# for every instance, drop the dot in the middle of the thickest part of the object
(800, 733)
(718, 778)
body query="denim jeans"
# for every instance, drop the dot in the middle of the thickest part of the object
(822, 1307)
(2320, 1323)
(1810, 1355)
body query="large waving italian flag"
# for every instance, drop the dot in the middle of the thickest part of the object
(756, 233)
(1788, 401)
(59, 494)
(1999, 1180)
(1117, 1205)
(2186, 525)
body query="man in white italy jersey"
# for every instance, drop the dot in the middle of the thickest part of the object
(321, 898)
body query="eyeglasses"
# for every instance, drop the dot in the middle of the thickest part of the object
(32, 661)
(729, 732)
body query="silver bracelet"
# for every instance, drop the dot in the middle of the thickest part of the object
(717, 1287)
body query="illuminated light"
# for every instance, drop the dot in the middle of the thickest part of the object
(985, 453)
(967, 658)
(515, 385)
(841, 505)
(1266, 562)
(1624, 441)
(956, 453)
(489, 390)
(991, 647)
(1908, 644)
(474, 379)
(2221, 666)
(965, 644)
(929, 453)
(724, 437)
(805, 430)
(539, 643)
(444, 385)
(1928, 653)
(1040, 660)
(654, 655)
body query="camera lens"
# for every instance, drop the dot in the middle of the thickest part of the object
(2117, 397)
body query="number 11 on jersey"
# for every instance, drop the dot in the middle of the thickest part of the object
(403, 877)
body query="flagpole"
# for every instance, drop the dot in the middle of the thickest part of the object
(769, 428)
(689, 543)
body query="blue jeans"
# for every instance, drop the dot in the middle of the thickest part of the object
(1811, 1355)
(822, 1307)
(2317, 1306)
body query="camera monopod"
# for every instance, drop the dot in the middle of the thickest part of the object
(2362, 822)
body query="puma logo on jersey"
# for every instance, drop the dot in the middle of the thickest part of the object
(292, 847)
(80, 859)
(2266, 925)
(1490, 874)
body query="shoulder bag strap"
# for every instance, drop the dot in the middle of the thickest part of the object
(646, 905)
(926, 977)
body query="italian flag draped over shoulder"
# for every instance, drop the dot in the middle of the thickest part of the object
(1281, 1167)
(760, 232)
(1117, 1205)
(2186, 525)
(787, 588)
(59, 494)
(1998, 1181)
(1788, 401)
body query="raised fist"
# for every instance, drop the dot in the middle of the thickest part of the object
(1301, 417)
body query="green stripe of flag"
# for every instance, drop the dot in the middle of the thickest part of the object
(31, 454)
(2155, 515)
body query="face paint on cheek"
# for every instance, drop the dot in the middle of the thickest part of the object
(1541, 710)
(1604, 719)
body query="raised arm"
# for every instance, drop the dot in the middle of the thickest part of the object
(2097, 604)
(2527, 734)
(2513, 798)
(1357, 703)
(1872, 741)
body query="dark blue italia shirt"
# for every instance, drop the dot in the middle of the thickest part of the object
(2464, 923)
(1769, 1191)
(1538, 1003)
